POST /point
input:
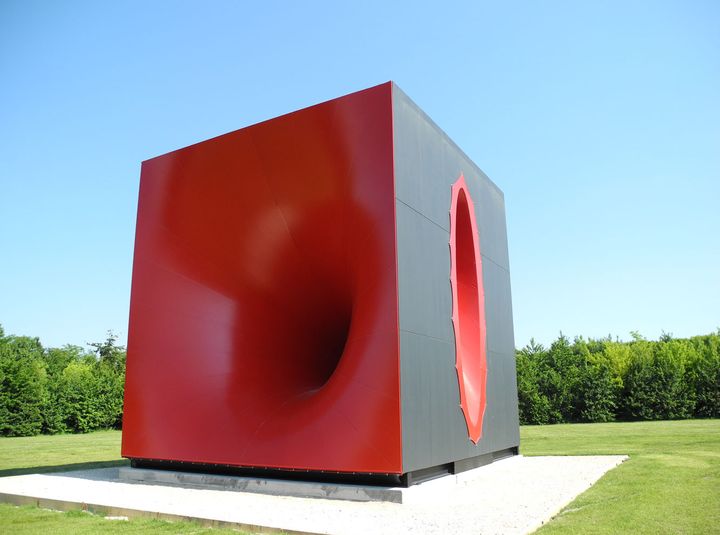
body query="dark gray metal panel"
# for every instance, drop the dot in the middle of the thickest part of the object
(432, 421)
(427, 163)
(423, 251)
(505, 428)
(498, 307)
(490, 214)
(415, 385)
(434, 429)
(423, 178)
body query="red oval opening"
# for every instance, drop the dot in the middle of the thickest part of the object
(468, 308)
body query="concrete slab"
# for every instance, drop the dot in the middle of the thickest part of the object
(515, 495)
(272, 487)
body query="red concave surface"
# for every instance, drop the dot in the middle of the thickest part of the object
(263, 323)
(468, 308)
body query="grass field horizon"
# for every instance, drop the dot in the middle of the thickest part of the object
(670, 483)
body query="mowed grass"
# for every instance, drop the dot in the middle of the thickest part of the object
(42, 454)
(54, 453)
(670, 484)
(29, 520)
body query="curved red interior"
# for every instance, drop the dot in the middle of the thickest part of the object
(263, 326)
(468, 309)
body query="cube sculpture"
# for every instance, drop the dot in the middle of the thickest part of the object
(325, 292)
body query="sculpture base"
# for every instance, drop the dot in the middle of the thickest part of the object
(516, 495)
(354, 478)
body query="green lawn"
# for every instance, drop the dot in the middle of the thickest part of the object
(28, 455)
(29, 520)
(670, 484)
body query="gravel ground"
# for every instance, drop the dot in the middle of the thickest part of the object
(515, 495)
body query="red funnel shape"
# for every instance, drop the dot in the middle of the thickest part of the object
(468, 308)
(263, 319)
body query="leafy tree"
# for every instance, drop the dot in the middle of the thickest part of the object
(598, 400)
(78, 398)
(58, 390)
(54, 409)
(109, 373)
(703, 375)
(603, 379)
(534, 407)
(654, 387)
(57, 358)
(597, 389)
(22, 385)
(559, 375)
(109, 353)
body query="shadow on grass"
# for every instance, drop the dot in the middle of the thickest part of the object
(62, 467)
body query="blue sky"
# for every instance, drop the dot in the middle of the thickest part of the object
(599, 120)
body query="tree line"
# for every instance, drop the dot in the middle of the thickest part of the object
(76, 390)
(604, 380)
(59, 390)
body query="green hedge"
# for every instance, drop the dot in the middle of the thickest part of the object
(59, 390)
(604, 380)
(70, 389)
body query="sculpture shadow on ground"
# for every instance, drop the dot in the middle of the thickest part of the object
(20, 471)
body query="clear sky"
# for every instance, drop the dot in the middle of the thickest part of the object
(599, 120)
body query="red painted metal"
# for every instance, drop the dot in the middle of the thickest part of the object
(468, 308)
(263, 323)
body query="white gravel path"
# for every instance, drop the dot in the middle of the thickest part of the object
(515, 495)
